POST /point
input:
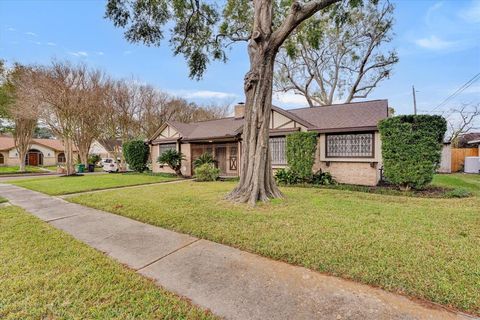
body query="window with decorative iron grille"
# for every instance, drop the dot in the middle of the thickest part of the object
(168, 146)
(352, 145)
(277, 150)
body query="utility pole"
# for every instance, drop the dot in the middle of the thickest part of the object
(414, 101)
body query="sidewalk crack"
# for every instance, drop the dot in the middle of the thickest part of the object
(166, 255)
(64, 217)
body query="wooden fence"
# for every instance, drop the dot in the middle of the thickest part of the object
(458, 157)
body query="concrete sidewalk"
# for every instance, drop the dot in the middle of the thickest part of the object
(231, 283)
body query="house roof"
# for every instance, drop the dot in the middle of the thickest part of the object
(110, 144)
(7, 143)
(347, 116)
(355, 116)
(467, 139)
(219, 128)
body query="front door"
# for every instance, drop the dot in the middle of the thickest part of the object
(221, 158)
(33, 159)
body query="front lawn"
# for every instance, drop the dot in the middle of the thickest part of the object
(73, 184)
(14, 170)
(470, 182)
(427, 248)
(46, 274)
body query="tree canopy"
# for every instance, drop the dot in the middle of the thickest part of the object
(327, 61)
(202, 31)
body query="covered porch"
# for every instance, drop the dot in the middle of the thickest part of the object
(225, 153)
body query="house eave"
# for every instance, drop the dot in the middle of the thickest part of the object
(349, 129)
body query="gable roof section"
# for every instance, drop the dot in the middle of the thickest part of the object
(7, 143)
(110, 144)
(357, 116)
(345, 117)
(219, 128)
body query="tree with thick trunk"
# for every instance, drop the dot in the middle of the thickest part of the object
(200, 33)
(58, 90)
(92, 108)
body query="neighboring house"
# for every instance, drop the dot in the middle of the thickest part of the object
(106, 148)
(42, 152)
(465, 140)
(349, 145)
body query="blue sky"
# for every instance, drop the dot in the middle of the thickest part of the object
(438, 44)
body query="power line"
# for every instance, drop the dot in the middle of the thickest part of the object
(459, 90)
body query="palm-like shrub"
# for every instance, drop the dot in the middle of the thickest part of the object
(173, 159)
(203, 159)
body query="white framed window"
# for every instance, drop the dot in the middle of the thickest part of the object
(278, 150)
(350, 145)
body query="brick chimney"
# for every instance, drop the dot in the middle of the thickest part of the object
(239, 110)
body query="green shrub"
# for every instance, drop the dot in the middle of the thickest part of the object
(411, 149)
(173, 159)
(301, 148)
(287, 177)
(322, 178)
(94, 159)
(136, 154)
(458, 193)
(203, 159)
(207, 172)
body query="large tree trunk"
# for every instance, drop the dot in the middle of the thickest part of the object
(22, 136)
(69, 160)
(256, 178)
(22, 154)
(83, 149)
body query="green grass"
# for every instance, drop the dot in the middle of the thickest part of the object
(46, 274)
(73, 184)
(14, 170)
(470, 182)
(2, 200)
(426, 248)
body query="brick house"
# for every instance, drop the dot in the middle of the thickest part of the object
(349, 145)
(42, 152)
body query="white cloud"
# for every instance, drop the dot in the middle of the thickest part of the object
(78, 53)
(51, 44)
(434, 43)
(290, 98)
(11, 29)
(100, 53)
(471, 14)
(204, 94)
(127, 52)
(29, 33)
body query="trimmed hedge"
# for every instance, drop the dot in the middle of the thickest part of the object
(136, 154)
(207, 172)
(300, 151)
(411, 148)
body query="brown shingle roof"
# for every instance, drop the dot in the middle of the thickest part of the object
(339, 117)
(7, 143)
(219, 128)
(110, 144)
(345, 116)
